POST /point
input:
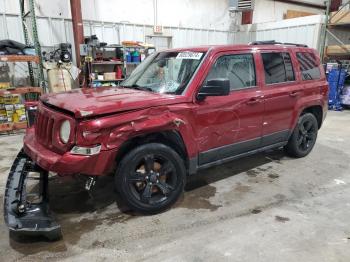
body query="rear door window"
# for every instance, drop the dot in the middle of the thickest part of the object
(278, 67)
(308, 66)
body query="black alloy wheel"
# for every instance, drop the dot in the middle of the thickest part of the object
(307, 134)
(150, 178)
(153, 180)
(303, 137)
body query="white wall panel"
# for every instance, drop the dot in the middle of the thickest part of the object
(304, 30)
(3, 27)
(272, 11)
(14, 28)
(57, 31)
(98, 31)
(44, 30)
(54, 30)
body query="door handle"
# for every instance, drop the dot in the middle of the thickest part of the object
(294, 93)
(253, 101)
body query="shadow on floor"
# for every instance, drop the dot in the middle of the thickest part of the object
(79, 211)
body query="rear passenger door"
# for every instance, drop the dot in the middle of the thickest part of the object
(281, 91)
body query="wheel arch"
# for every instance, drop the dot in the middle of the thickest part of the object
(171, 138)
(317, 111)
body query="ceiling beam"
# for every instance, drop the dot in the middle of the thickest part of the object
(303, 3)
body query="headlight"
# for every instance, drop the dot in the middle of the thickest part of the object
(65, 131)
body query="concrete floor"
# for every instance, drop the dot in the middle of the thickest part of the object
(266, 207)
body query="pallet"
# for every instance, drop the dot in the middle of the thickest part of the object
(340, 18)
(21, 90)
(8, 127)
(338, 51)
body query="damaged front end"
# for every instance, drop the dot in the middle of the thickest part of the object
(25, 212)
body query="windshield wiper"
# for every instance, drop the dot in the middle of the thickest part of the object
(136, 86)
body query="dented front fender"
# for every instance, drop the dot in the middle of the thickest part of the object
(112, 131)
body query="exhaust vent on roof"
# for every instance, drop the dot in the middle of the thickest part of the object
(240, 5)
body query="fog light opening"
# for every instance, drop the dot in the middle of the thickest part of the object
(87, 151)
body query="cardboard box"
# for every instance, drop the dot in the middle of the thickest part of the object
(15, 99)
(19, 106)
(16, 118)
(9, 99)
(4, 85)
(3, 98)
(19, 114)
(109, 76)
(294, 14)
(9, 108)
(3, 119)
(9, 112)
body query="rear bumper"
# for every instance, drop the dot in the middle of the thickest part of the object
(68, 164)
(20, 215)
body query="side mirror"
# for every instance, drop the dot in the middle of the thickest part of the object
(214, 87)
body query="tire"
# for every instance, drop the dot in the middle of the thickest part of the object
(150, 178)
(303, 137)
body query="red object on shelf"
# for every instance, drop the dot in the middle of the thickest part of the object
(119, 73)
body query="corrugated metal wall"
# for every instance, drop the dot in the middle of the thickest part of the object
(304, 30)
(303, 35)
(57, 30)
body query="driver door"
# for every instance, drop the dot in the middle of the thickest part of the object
(230, 125)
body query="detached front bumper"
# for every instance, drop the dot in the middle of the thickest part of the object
(67, 163)
(21, 215)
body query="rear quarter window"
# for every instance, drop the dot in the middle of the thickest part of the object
(308, 65)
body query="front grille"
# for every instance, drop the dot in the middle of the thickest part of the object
(44, 128)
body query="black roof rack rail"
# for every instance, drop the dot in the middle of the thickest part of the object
(273, 42)
(301, 45)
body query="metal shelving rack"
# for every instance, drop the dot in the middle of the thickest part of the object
(100, 64)
(130, 66)
(30, 15)
(327, 32)
(29, 92)
(32, 91)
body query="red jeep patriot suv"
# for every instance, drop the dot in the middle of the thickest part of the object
(180, 111)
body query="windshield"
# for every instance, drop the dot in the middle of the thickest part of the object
(165, 72)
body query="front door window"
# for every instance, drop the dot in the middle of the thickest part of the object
(239, 69)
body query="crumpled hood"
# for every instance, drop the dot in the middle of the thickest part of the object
(89, 101)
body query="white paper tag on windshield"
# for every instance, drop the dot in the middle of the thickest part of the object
(189, 55)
